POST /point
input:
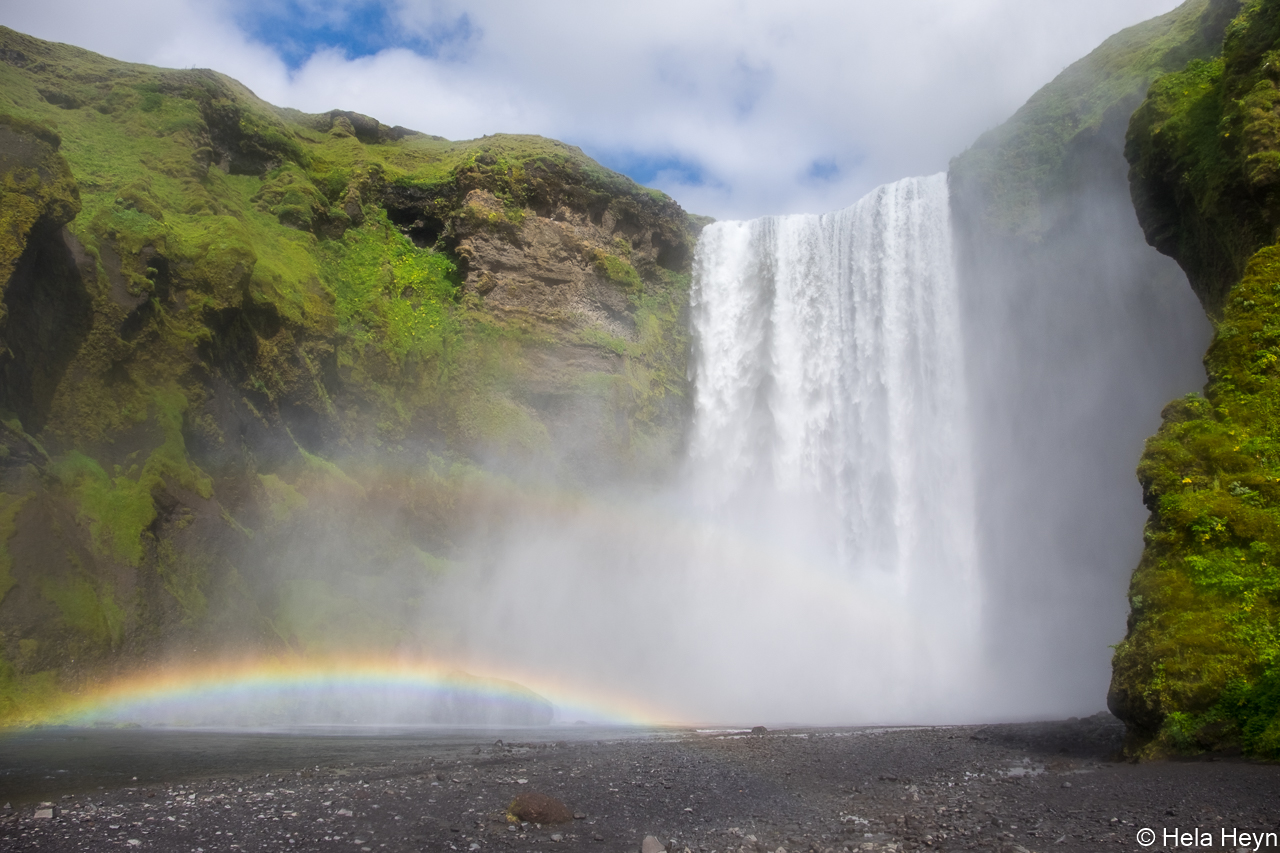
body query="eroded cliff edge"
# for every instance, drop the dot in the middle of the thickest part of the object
(262, 371)
(1200, 666)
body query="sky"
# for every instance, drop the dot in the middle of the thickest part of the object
(736, 108)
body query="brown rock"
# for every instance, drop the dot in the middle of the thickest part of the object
(652, 845)
(539, 808)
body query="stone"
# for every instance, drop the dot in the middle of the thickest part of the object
(44, 814)
(652, 845)
(536, 807)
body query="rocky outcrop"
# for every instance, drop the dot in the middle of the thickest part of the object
(44, 308)
(262, 370)
(1197, 669)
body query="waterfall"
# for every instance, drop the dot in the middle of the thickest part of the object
(829, 375)
(817, 563)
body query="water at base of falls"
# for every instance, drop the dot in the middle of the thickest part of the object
(829, 376)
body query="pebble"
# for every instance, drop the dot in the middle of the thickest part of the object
(882, 792)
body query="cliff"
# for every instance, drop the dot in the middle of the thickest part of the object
(1200, 666)
(1077, 333)
(261, 369)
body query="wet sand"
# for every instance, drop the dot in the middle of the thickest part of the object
(1035, 787)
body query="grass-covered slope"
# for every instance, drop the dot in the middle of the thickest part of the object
(1200, 667)
(1010, 176)
(258, 368)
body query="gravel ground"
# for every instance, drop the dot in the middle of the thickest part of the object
(1026, 787)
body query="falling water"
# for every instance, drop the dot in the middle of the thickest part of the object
(818, 563)
(829, 373)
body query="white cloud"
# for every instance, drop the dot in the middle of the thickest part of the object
(750, 91)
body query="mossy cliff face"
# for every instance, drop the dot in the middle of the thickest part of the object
(262, 370)
(1200, 666)
(1011, 182)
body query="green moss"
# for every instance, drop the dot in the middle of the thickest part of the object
(391, 296)
(253, 278)
(283, 500)
(184, 577)
(1205, 147)
(36, 185)
(10, 506)
(86, 609)
(120, 508)
(618, 270)
(320, 473)
(1206, 596)
(27, 698)
(1010, 173)
(500, 425)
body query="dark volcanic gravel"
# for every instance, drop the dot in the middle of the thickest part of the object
(1026, 787)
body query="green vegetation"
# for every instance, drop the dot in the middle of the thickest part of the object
(10, 506)
(1200, 666)
(1205, 147)
(119, 509)
(184, 578)
(283, 500)
(27, 698)
(36, 186)
(290, 333)
(1203, 649)
(92, 613)
(391, 295)
(1010, 173)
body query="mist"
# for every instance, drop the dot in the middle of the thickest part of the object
(906, 496)
(735, 597)
(904, 492)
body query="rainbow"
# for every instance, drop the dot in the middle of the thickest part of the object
(365, 690)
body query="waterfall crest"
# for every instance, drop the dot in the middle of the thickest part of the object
(817, 562)
(830, 371)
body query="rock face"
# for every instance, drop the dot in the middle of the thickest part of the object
(262, 371)
(44, 307)
(1198, 667)
(1077, 333)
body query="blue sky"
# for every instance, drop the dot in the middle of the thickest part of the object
(737, 108)
(296, 30)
